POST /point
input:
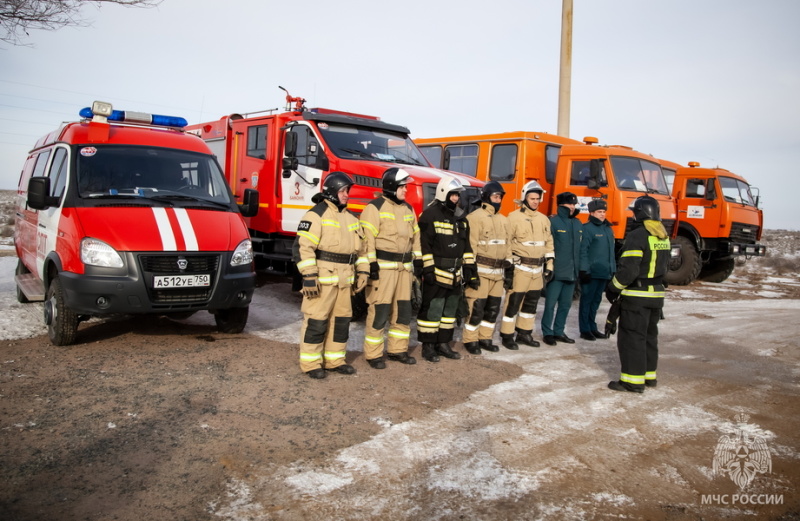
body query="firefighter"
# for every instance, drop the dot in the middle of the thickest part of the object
(531, 267)
(596, 269)
(444, 237)
(392, 247)
(488, 237)
(567, 231)
(639, 283)
(326, 251)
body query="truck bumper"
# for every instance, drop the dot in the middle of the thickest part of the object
(748, 250)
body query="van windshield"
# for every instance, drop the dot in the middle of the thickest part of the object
(638, 175)
(150, 172)
(362, 143)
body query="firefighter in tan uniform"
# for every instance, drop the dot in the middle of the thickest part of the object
(326, 251)
(488, 236)
(391, 245)
(532, 268)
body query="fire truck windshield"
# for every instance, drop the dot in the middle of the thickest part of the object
(363, 143)
(107, 171)
(638, 175)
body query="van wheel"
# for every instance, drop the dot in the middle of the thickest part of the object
(686, 267)
(718, 270)
(231, 320)
(62, 322)
(21, 270)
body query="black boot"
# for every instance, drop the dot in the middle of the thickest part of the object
(403, 358)
(525, 337)
(487, 345)
(429, 352)
(508, 341)
(472, 347)
(443, 348)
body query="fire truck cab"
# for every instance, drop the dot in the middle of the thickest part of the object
(124, 213)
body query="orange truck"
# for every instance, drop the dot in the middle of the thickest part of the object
(286, 157)
(617, 174)
(718, 222)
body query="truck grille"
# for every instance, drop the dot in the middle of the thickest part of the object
(744, 233)
(167, 264)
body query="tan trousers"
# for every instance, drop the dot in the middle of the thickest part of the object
(482, 305)
(326, 328)
(519, 311)
(389, 300)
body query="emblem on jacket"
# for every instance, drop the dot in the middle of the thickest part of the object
(742, 456)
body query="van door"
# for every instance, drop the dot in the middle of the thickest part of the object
(47, 226)
(300, 181)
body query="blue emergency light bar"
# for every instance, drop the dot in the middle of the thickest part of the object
(135, 117)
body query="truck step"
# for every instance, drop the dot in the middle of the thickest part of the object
(31, 286)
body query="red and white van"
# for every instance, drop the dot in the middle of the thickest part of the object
(125, 213)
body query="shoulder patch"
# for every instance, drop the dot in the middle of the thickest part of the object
(304, 226)
(320, 208)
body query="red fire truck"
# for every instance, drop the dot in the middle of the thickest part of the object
(286, 157)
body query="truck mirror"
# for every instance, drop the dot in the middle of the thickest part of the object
(711, 190)
(39, 193)
(592, 183)
(250, 206)
(289, 165)
(446, 160)
(290, 145)
(322, 162)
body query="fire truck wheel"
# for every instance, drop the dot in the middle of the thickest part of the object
(21, 270)
(231, 320)
(718, 270)
(62, 322)
(686, 267)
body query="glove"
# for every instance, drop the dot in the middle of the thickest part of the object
(429, 277)
(584, 277)
(471, 277)
(311, 285)
(418, 268)
(547, 276)
(612, 293)
(374, 271)
(508, 277)
(361, 281)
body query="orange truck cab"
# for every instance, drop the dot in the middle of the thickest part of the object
(719, 221)
(617, 174)
(124, 213)
(286, 157)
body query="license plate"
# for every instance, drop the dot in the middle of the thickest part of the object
(181, 281)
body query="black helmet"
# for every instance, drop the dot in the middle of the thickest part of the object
(646, 208)
(566, 198)
(394, 178)
(492, 187)
(333, 183)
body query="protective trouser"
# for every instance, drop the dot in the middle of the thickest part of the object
(389, 300)
(558, 294)
(436, 319)
(483, 305)
(326, 328)
(637, 339)
(522, 300)
(591, 296)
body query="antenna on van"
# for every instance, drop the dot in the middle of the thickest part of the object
(299, 103)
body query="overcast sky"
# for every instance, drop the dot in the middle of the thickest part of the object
(714, 81)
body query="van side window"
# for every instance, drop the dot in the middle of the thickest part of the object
(551, 162)
(462, 158)
(257, 141)
(58, 172)
(41, 161)
(503, 166)
(433, 153)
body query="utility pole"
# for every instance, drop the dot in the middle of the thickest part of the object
(565, 75)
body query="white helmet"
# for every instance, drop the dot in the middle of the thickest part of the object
(446, 185)
(532, 186)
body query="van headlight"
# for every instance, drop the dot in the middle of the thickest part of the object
(243, 254)
(98, 253)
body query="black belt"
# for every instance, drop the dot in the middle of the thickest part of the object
(394, 257)
(655, 281)
(530, 261)
(447, 263)
(487, 261)
(339, 258)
